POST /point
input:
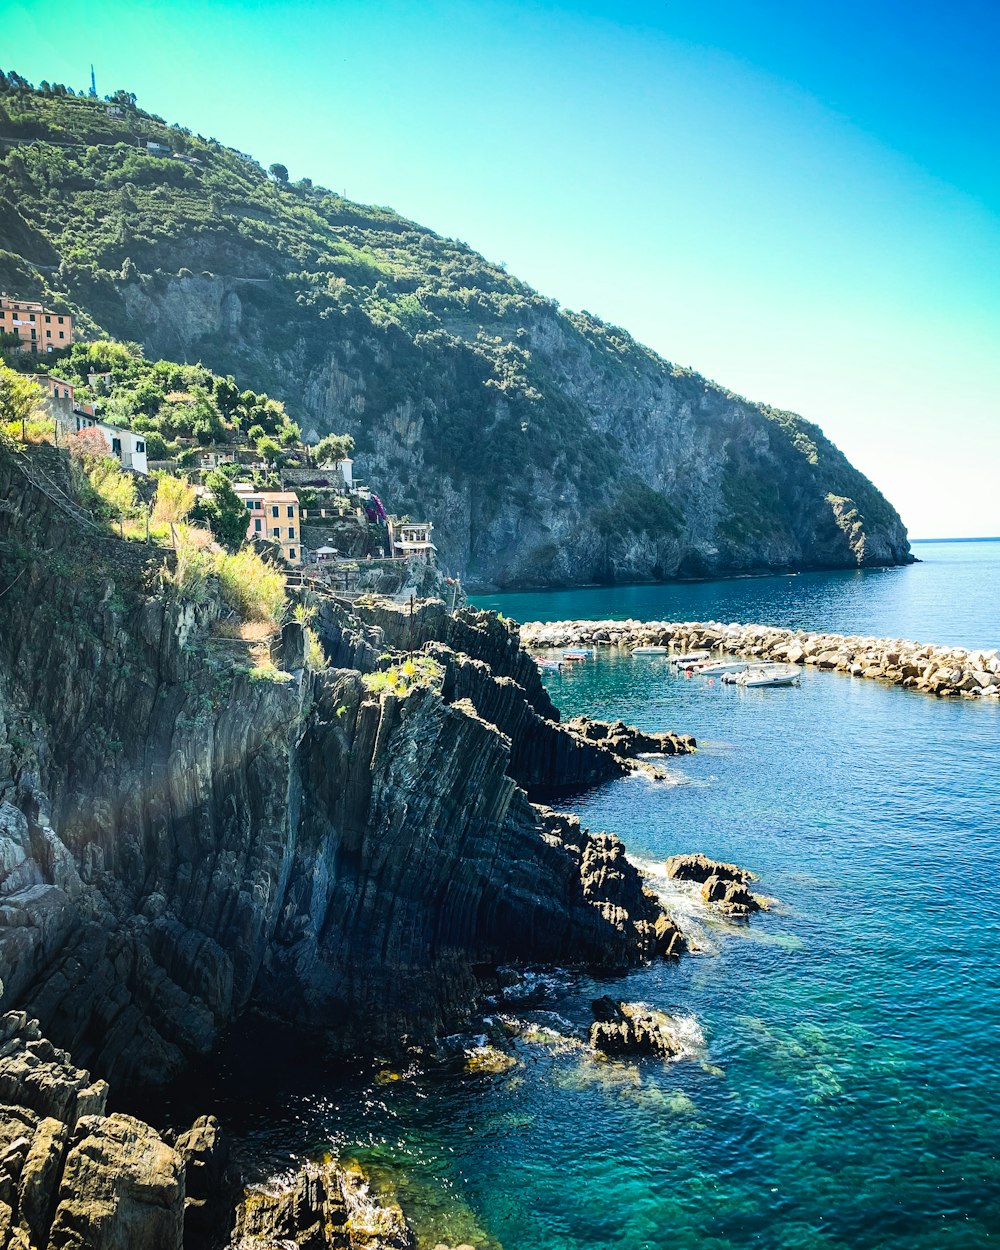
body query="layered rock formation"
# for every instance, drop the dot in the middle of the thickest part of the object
(182, 839)
(968, 672)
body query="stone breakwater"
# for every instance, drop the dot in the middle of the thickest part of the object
(943, 671)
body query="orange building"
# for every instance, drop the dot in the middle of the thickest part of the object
(273, 515)
(38, 328)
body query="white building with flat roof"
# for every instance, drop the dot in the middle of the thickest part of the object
(128, 447)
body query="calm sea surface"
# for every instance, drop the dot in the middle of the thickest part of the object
(841, 1091)
(952, 597)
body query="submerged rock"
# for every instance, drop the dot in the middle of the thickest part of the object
(632, 1029)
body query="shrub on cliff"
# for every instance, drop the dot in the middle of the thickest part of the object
(407, 675)
(252, 588)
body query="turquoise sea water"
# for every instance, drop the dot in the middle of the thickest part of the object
(841, 1087)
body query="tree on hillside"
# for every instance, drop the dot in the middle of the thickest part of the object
(226, 512)
(226, 394)
(270, 450)
(20, 397)
(90, 441)
(174, 500)
(279, 173)
(124, 99)
(333, 449)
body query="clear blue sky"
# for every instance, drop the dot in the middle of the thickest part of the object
(799, 200)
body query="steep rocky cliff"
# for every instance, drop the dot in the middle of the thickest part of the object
(181, 839)
(547, 446)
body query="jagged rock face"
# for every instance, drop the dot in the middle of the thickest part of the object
(72, 1177)
(484, 664)
(632, 1029)
(179, 841)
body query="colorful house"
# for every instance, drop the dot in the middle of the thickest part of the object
(273, 516)
(38, 328)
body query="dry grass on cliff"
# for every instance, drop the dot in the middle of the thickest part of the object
(252, 588)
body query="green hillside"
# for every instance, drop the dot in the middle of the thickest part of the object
(547, 446)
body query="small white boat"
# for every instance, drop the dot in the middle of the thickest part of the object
(690, 660)
(548, 666)
(720, 668)
(765, 675)
(578, 653)
(650, 650)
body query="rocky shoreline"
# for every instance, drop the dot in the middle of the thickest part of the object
(184, 841)
(969, 673)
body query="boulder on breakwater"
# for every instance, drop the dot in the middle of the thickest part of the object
(944, 671)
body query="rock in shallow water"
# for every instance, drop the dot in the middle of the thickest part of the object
(328, 1207)
(699, 868)
(632, 1029)
(730, 897)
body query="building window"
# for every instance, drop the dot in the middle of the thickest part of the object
(256, 525)
(61, 335)
(140, 446)
(274, 510)
(32, 333)
(291, 532)
(291, 510)
(291, 553)
(60, 320)
(48, 334)
(249, 505)
(116, 446)
(31, 316)
(276, 531)
(48, 320)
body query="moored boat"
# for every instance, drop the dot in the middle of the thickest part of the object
(650, 650)
(690, 659)
(548, 665)
(760, 675)
(720, 668)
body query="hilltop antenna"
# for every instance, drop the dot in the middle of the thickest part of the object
(93, 84)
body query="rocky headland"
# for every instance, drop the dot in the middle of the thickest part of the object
(185, 839)
(944, 671)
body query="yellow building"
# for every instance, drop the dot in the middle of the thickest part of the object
(38, 328)
(273, 515)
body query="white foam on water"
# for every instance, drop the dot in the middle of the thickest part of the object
(683, 902)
